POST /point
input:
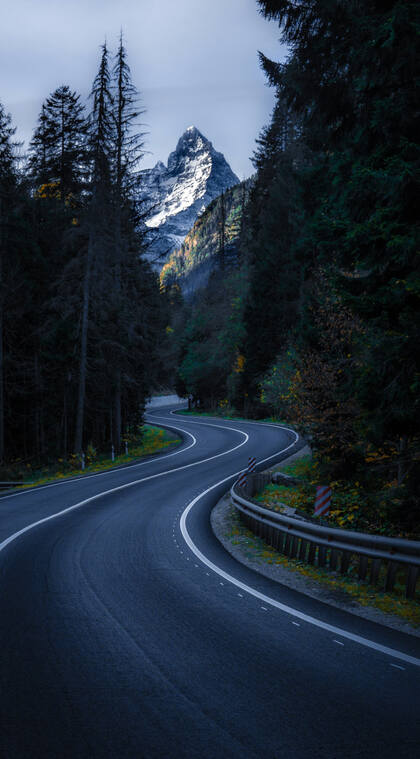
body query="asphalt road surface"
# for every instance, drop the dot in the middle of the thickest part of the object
(128, 632)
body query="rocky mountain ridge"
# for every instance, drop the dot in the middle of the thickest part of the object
(176, 194)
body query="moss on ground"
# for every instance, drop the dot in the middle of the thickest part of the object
(258, 550)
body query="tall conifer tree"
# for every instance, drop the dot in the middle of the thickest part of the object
(100, 142)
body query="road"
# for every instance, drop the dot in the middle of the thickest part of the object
(127, 631)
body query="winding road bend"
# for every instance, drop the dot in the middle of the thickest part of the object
(128, 632)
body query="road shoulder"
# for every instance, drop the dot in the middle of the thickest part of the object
(254, 554)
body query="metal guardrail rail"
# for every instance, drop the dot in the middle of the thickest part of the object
(316, 543)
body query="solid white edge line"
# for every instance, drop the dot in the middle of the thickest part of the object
(267, 599)
(84, 477)
(78, 505)
(182, 523)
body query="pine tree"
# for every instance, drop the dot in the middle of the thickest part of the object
(100, 142)
(128, 151)
(39, 152)
(222, 230)
(57, 150)
(7, 183)
(65, 118)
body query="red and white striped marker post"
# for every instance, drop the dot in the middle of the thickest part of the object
(241, 481)
(322, 500)
(243, 477)
(252, 464)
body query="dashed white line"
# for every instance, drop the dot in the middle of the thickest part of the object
(396, 666)
(339, 643)
(296, 623)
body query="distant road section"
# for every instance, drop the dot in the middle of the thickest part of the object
(163, 400)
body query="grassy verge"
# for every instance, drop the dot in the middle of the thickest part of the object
(218, 413)
(152, 440)
(393, 603)
(350, 507)
(222, 413)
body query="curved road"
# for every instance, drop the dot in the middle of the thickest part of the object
(128, 632)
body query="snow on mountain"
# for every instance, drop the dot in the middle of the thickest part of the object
(177, 194)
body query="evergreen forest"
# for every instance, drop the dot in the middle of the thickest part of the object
(317, 323)
(81, 316)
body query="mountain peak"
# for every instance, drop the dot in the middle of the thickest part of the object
(191, 141)
(177, 193)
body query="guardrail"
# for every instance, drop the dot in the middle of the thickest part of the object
(313, 542)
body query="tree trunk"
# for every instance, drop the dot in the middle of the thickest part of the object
(65, 423)
(117, 422)
(78, 440)
(40, 432)
(402, 468)
(1, 370)
(1, 344)
(222, 232)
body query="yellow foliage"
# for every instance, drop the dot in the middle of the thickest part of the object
(239, 364)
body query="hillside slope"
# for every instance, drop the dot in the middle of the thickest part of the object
(205, 247)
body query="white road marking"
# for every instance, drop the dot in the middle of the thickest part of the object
(296, 623)
(264, 608)
(396, 666)
(271, 601)
(108, 471)
(251, 591)
(240, 595)
(339, 643)
(117, 489)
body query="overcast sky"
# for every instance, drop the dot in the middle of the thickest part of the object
(194, 61)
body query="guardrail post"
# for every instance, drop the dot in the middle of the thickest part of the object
(390, 575)
(374, 571)
(311, 554)
(345, 562)
(302, 550)
(280, 544)
(322, 556)
(333, 559)
(363, 567)
(293, 548)
(412, 575)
